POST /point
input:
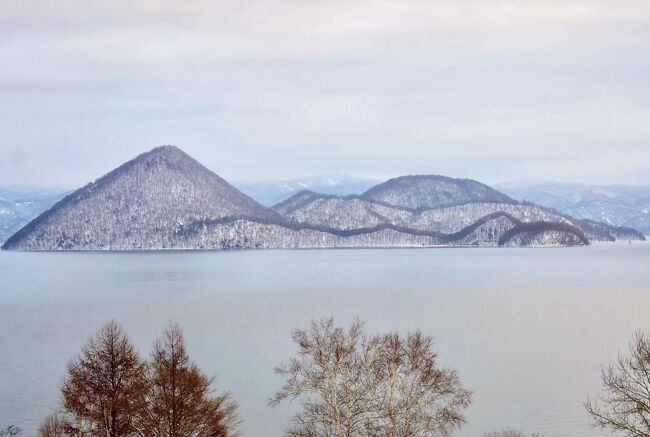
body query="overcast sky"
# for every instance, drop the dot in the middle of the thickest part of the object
(258, 90)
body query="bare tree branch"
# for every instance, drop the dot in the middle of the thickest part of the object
(353, 384)
(623, 405)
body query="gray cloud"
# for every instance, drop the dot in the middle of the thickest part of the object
(258, 90)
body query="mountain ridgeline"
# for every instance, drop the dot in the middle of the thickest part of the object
(619, 205)
(164, 199)
(20, 205)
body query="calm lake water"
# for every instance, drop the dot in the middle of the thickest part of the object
(526, 328)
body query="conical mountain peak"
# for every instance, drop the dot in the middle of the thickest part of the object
(162, 190)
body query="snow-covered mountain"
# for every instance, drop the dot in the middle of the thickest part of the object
(269, 193)
(149, 202)
(433, 191)
(20, 205)
(433, 204)
(619, 205)
(164, 199)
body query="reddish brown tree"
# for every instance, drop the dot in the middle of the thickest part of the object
(179, 401)
(105, 386)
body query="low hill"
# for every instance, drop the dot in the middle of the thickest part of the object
(433, 191)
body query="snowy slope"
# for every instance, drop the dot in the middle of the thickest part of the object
(142, 204)
(433, 191)
(353, 212)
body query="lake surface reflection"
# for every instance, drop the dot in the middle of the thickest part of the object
(526, 329)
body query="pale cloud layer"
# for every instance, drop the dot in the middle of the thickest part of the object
(493, 90)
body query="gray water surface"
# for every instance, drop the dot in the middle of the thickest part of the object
(527, 329)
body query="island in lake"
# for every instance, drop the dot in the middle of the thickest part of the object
(165, 199)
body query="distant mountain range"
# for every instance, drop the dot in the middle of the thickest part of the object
(619, 205)
(270, 193)
(164, 199)
(19, 205)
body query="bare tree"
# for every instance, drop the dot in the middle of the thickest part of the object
(105, 386)
(510, 432)
(353, 384)
(624, 402)
(179, 401)
(10, 431)
(336, 372)
(418, 397)
(56, 425)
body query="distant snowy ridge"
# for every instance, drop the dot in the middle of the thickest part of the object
(269, 193)
(618, 205)
(164, 199)
(19, 205)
